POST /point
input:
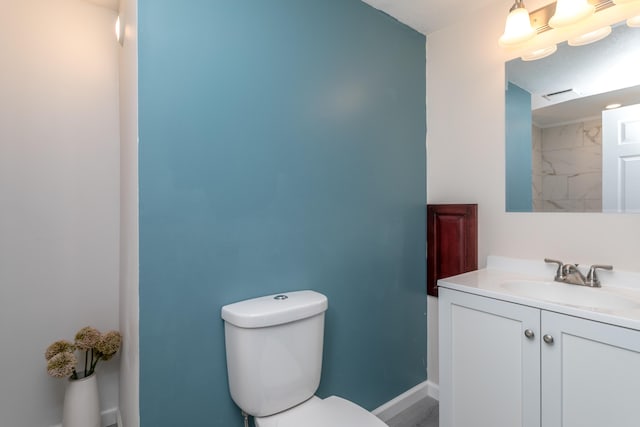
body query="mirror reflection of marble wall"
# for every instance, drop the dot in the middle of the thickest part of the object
(567, 167)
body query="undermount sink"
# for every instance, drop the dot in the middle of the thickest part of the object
(575, 295)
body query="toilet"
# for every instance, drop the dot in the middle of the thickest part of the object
(274, 359)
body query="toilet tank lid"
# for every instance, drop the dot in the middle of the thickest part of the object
(274, 309)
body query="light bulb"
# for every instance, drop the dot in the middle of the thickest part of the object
(569, 12)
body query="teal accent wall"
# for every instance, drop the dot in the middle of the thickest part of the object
(282, 147)
(518, 148)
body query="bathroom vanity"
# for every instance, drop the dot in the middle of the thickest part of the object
(517, 349)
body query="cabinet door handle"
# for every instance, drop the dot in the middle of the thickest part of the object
(548, 339)
(529, 333)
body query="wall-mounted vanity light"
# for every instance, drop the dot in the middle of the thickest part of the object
(579, 22)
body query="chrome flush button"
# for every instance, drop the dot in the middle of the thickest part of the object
(280, 297)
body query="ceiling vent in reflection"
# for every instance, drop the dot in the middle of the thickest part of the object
(562, 95)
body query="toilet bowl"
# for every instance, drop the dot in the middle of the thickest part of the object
(274, 360)
(330, 412)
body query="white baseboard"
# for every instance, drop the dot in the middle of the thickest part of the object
(108, 417)
(433, 390)
(400, 403)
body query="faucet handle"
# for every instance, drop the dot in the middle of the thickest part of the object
(592, 277)
(559, 274)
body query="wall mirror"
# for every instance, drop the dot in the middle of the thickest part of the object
(565, 152)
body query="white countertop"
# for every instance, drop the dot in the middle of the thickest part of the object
(490, 282)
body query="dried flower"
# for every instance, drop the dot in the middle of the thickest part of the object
(62, 365)
(61, 346)
(108, 344)
(86, 338)
(61, 358)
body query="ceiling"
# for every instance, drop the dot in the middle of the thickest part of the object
(427, 16)
(109, 4)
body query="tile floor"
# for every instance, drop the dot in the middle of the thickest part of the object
(422, 414)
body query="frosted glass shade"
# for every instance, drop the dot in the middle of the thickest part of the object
(539, 53)
(569, 12)
(634, 22)
(623, 1)
(517, 29)
(590, 37)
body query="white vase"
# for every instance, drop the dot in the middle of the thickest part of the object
(81, 403)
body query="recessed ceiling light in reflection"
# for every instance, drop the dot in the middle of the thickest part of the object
(612, 106)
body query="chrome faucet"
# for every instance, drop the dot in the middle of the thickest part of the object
(569, 273)
(592, 278)
(572, 275)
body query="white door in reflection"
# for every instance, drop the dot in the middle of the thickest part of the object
(621, 159)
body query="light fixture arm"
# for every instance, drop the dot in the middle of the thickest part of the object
(518, 4)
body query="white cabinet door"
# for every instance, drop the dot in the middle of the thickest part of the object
(590, 373)
(489, 369)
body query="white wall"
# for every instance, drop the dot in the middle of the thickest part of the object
(465, 158)
(59, 196)
(129, 366)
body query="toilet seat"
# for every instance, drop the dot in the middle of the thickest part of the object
(333, 411)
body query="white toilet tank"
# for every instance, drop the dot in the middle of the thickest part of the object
(274, 350)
